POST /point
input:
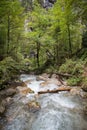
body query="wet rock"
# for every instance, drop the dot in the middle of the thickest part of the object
(43, 84)
(28, 81)
(75, 91)
(51, 81)
(52, 1)
(17, 83)
(34, 106)
(38, 78)
(83, 94)
(84, 88)
(9, 100)
(54, 76)
(45, 75)
(78, 91)
(23, 84)
(2, 107)
(24, 90)
(10, 92)
(85, 110)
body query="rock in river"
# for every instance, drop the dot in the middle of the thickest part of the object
(34, 106)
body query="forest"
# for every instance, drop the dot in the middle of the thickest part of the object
(44, 37)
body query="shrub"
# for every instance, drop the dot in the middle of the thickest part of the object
(84, 83)
(72, 67)
(73, 81)
(76, 69)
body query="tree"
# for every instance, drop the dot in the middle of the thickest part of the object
(11, 13)
(65, 27)
(37, 25)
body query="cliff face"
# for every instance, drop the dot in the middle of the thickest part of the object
(47, 3)
(44, 3)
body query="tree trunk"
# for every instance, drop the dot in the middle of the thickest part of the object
(56, 90)
(8, 34)
(69, 38)
(38, 51)
(57, 54)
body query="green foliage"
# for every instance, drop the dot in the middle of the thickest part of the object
(10, 67)
(75, 68)
(74, 81)
(84, 83)
(52, 35)
(72, 67)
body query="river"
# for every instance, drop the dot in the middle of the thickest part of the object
(59, 111)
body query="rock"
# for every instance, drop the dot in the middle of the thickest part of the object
(2, 107)
(8, 100)
(78, 91)
(28, 81)
(23, 84)
(38, 78)
(83, 94)
(85, 110)
(24, 90)
(84, 88)
(54, 76)
(50, 81)
(45, 75)
(75, 91)
(34, 106)
(43, 84)
(10, 92)
(17, 83)
(52, 1)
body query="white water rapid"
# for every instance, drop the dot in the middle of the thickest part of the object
(59, 111)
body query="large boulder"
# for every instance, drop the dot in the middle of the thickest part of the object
(10, 92)
(2, 107)
(24, 90)
(34, 106)
(85, 110)
(17, 83)
(45, 75)
(38, 78)
(84, 87)
(78, 91)
(75, 91)
(52, 1)
(51, 81)
(28, 81)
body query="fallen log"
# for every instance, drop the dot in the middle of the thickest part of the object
(61, 75)
(55, 90)
(64, 75)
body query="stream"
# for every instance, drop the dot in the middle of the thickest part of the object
(59, 111)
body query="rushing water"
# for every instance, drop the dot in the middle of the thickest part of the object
(59, 111)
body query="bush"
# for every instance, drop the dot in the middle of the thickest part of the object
(76, 69)
(8, 68)
(72, 67)
(73, 81)
(84, 84)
